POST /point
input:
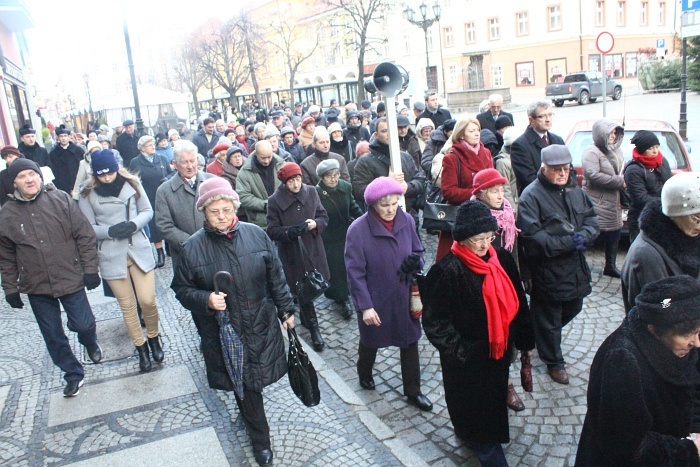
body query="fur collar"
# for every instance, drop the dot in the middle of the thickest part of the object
(684, 250)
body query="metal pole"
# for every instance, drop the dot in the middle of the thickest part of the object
(394, 147)
(442, 62)
(427, 57)
(137, 109)
(683, 121)
(605, 87)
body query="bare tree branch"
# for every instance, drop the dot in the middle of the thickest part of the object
(188, 69)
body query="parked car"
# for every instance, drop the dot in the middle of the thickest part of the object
(672, 146)
(584, 87)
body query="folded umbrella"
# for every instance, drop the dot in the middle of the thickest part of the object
(231, 344)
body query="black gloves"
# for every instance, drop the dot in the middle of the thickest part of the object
(579, 242)
(295, 231)
(410, 265)
(14, 300)
(92, 281)
(122, 230)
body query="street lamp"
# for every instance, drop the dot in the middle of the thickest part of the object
(86, 78)
(424, 24)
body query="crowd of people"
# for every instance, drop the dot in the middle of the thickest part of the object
(274, 195)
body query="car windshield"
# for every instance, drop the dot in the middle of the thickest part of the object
(669, 147)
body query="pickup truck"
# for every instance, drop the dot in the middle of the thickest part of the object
(584, 87)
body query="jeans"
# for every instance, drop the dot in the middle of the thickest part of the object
(80, 319)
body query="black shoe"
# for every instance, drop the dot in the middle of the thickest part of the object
(144, 357)
(156, 349)
(345, 310)
(264, 457)
(95, 353)
(72, 388)
(367, 383)
(316, 339)
(421, 402)
(611, 271)
(161, 258)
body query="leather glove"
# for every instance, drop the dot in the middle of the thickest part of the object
(295, 231)
(579, 242)
(14, 300)
(122, 230)
(410, 265)
(92, 281)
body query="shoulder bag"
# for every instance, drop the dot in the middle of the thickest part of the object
(438, 215)
(313, 284)
(302, 374)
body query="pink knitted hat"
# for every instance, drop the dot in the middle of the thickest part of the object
(381, 187)
(212, 188)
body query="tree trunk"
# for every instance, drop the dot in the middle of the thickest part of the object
(195, 100)
(251, 67)
(291, 89)
(361, 74)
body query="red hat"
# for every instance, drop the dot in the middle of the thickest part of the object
(485, 179)
(220, 147)
(288, 170)
(307, 121)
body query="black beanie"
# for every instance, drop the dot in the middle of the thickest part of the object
(502, 122)
(669, 301)
(20, 165)
(473, 218)
(643, 140)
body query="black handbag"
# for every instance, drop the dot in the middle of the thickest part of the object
(438, 215)
(313, 284)
(302, 374)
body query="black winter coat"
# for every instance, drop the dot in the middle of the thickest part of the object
(296, 150)
(257, 296)
(525, 156)
(152, 175)
(355, 135)
(35, 153)
(432, 147)
(455, 322)
(128, 147)
(639, 402)
(548, 215)
(64, 164)
(643, 185)
(343, 148)
(409, 143)
(286, 209)
(204, 146)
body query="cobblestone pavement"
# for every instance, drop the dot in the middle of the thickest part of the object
(350, 427)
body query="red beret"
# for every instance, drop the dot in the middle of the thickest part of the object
(307, 121)
(220, 147)
(288, 170)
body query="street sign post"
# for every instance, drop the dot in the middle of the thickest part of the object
(605, 43)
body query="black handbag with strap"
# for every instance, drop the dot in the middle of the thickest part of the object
(302, 374)
(439, 215)
(313, 284)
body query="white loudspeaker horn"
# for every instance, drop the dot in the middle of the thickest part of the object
(390, 80)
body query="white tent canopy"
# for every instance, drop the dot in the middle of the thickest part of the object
(120, 107)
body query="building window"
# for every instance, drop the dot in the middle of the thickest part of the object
(496, 76)
(594, 62)
(631, 64)
(494, 29)
(662, 13)
(452, 75)
(407, 43)
(600, 13)
(613, 66)
(556, 70)
(525, 74)
(470, 32)
(449, 38)
(430, 39)
(621, 13)
(554, 17)
(644, 13)
(523, 26)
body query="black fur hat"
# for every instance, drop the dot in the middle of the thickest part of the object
(669, 301)
(473, 218)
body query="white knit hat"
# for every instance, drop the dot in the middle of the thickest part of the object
(680, 195)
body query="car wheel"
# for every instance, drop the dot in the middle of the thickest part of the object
(617, 93)
(558, 103)
(583, 98)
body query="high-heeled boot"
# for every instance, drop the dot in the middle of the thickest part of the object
(156, 349)
(160, 262)
(144, 357)
(310, 319)
(610, 259)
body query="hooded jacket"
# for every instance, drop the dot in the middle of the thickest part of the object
(432, 147)
(409, 143)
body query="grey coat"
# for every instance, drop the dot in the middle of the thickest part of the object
(176, 212)
(103, 212)
(601, 164)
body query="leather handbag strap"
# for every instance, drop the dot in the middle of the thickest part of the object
(305, 256)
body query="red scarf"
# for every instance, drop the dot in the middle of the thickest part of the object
(647, 162)
(389, 225)
(499, 296)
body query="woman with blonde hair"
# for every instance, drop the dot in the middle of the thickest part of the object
(115, 203)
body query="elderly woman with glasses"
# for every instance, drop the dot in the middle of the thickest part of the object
(152, 169)
(474, 310)
(255, 300)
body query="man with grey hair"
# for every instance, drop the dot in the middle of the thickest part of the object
(433, 111)
(175, 210)
(257, 181)
(127, 142)
(488, 119)
(322, 151)
(525, 151)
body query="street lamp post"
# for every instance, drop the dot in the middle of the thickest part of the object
(86, 78)
(424, 24)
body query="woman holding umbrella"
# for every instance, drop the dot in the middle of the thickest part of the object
(258, 292)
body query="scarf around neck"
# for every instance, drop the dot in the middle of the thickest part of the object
(648, 162)
(506, 223)
(498, 293)
(389, 225)
(111, 189)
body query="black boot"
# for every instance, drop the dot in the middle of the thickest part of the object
(144, 357)
(610, 258)
(161, 258)
(311, 323)
(345, 310)
(156, 349)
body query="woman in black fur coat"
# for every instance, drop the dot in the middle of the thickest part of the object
(642, 381)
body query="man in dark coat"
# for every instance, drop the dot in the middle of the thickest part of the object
(127, 142)
(433, 110)
(291, 144)
(184, 132)
(557, 223)
(377, 164)
(322, 151)
(30, 148)
(64, 161)
(47, 251)
(207, 137)
(525, 151)
(408, 139)
(438, 138)
(488, 119)
(7, 185)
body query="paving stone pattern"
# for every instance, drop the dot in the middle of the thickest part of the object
(383, 430)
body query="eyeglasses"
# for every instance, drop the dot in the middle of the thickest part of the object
(695, 218)
(482, 240)
(332, 175)
(545, 116)
(217, 213)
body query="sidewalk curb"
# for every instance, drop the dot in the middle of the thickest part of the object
(378, 428)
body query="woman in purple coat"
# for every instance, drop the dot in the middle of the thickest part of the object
(382, 253)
